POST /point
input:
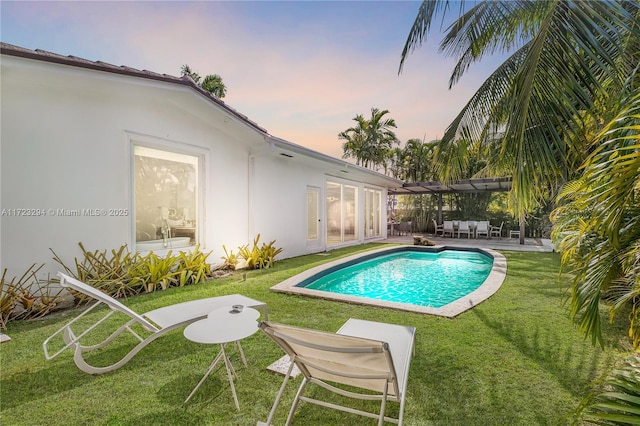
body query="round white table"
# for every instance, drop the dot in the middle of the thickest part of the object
(223, 325)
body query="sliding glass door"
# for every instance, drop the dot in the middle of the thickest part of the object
(372, 212)
(342, 213)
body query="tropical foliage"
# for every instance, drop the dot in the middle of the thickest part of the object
(120, 273)
(257, 256)
(106, 270)
(617, 402)
(566, 91)
(412, 163)
(26, 296)
(230, 259)
(212, 83)
(598, 224)
(370, 141)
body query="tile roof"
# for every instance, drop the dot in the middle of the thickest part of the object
(43, 55)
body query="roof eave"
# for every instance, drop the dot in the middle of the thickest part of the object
(74, 61)
(298, 149)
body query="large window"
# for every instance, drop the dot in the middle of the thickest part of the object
(372, 213)
(342, 213)
(166, 198)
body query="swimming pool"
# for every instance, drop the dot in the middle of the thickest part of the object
(442, 280)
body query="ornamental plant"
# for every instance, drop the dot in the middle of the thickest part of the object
(121, 273)
(230, 259)
(259, 257)
(27, 296)
(108, 271)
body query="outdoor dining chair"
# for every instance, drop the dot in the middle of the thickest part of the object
(437, 229)
(496, 231)
(447, 228)
(482, 228)
(464, 228)
(157, 322)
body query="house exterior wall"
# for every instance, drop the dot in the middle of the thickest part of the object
(279, 190)
(278, 201)
(67, 139)
(66, 166)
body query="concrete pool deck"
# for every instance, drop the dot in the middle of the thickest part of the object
(504, 243)
(488, 288)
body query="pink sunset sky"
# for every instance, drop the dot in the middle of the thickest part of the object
(300, 69)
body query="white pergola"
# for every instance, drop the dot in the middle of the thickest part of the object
(498, 184)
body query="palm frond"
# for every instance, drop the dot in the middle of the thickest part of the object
(422, 25)
(618, 400)
(487, 28)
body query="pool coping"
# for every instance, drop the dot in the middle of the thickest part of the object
(487, 289)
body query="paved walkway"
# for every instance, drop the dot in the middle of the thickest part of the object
(513, 244)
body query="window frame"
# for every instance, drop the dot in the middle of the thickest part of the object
(181, 148)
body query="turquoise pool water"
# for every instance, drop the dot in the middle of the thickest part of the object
(414, 277)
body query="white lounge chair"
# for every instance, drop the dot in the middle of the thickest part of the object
(482, 228)
(157, 322)
(372, 357)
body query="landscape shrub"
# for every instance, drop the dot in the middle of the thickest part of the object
(259, 257)
(27, 296)
(120, 273)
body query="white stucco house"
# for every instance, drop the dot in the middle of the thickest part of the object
(109, 155)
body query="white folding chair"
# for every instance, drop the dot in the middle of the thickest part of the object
(371, 357)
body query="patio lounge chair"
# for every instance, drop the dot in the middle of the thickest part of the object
(157, 322)
(372, 358)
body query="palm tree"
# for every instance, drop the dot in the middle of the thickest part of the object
(598, 226)
(380, 136)
(560, 53)
(211, 83)
(187, 71)
(355, 141)
(214, 85)
(371, 141)
(417, 158)
(616, 401)
(571, 66)
(396, 163)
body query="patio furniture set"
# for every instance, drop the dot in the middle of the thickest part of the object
(373, 357)
(470, 228)
(398, 228)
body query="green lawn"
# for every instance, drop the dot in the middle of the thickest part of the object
(513, 360)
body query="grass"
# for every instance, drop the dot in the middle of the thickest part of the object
(513, 360)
